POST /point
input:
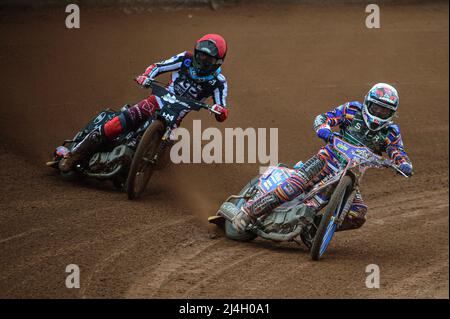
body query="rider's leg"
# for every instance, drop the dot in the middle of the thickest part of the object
(134, 116)
(128, 120)
(315, 169)
(356, 216)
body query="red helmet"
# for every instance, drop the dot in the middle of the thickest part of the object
(209, 54)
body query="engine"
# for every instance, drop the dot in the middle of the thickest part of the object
(108, 161)
(284, 221)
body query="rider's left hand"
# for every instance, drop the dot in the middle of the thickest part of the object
(222, 110)
(406, 168)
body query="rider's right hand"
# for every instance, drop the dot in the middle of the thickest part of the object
(325, 134)
(144, 80)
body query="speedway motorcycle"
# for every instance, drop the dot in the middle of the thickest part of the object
(130, 159)
(291, 221)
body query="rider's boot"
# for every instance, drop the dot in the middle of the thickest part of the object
(261, 206)
(82, 150)
(356, 217)
(352, 221)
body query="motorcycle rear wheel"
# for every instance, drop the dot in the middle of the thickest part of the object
(140, 169)
(72, 175)
(230, 230)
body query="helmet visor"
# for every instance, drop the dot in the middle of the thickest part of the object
(205, 61)
(380, 111)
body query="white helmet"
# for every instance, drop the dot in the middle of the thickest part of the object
(380, 105)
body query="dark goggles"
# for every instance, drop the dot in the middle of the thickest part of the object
(380, 111)
(206, 62)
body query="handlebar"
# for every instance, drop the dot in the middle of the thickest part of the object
(382, 162)
(159, 89)
(390, 164)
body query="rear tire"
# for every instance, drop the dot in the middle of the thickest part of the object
(73, 175)
(341, 190)
(140, 170)
(230, 230)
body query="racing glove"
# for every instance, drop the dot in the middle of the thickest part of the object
(223, 112)
(144, 80)
(406, 168)
(325, 134)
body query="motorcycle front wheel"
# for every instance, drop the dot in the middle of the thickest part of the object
(142, 167)
(328, 223)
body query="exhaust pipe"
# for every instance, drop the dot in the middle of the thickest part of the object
(279, 237)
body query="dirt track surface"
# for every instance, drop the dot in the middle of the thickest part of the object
(286, 64)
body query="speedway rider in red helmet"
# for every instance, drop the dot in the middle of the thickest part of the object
(197, 76)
